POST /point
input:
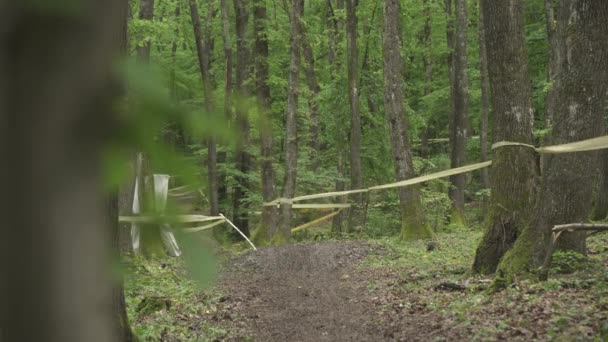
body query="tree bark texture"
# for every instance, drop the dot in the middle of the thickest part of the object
(291, 133)
(413, 220)
(226, 38)
(269, 214)
(485, 102)
(56, 113)
(513, 177)
(243, 158)
(356, 172)
(427, 37)
(601, 202)
(203, 52)
(567, 188)
(315, 89)
(459, 120)
(556, 53)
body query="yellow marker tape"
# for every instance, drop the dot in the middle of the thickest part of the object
(579, 146)
(208, 226)
(432, 176)
(312, 223)
(177, 218)
(321, 206)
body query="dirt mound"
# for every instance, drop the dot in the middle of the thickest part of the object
(309, 292)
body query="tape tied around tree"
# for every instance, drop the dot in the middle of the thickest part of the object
(592, 144)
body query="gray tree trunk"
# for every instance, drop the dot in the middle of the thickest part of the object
(568, 182)
(513, 168)
(203, 50)
(243, 158)
(485, 103)
(291, 129)
(269, 214)
(412, 214)
(315, 89)
(601, 201)
(55, 117)
(221, 156)
(459, 120)
(356, 172)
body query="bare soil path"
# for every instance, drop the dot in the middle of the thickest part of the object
(314, 292)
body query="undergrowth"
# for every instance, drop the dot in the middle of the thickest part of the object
(164, 303)
(435, 275)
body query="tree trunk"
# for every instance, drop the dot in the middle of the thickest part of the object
(428, 47)
(314, 88)
(332, 32)
(485, 103)
(243, 158)
(338, 220)
(203, 53)
(601, 202)
(412, 214)
(366, 74)
(356, 172)
(146, 12)
(172, 83)
(567, 189)
(459, 120)
(513, 168)
(120, 235)
(335, 38)
(269, 214)
(291, 139)
(54, 120)
(122, 327)
(555, 56)
(221, 156)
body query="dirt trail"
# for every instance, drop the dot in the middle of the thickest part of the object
(310, 292)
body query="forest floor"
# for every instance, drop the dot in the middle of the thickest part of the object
(376, 291)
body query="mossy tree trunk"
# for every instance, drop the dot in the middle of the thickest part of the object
(513, 177)
(412, 214)
(567, 189)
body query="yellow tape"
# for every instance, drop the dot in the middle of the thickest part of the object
(312, 223)
(176, 218)
(279, 201)
(209, 226)
(432, 176)
(321, 206)
(579, 146)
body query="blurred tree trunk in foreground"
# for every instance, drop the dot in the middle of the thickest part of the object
(56, 95)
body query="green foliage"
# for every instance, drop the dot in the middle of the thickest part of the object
(164, 303)
(567, 262)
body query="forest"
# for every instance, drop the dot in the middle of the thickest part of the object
(304, 170)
